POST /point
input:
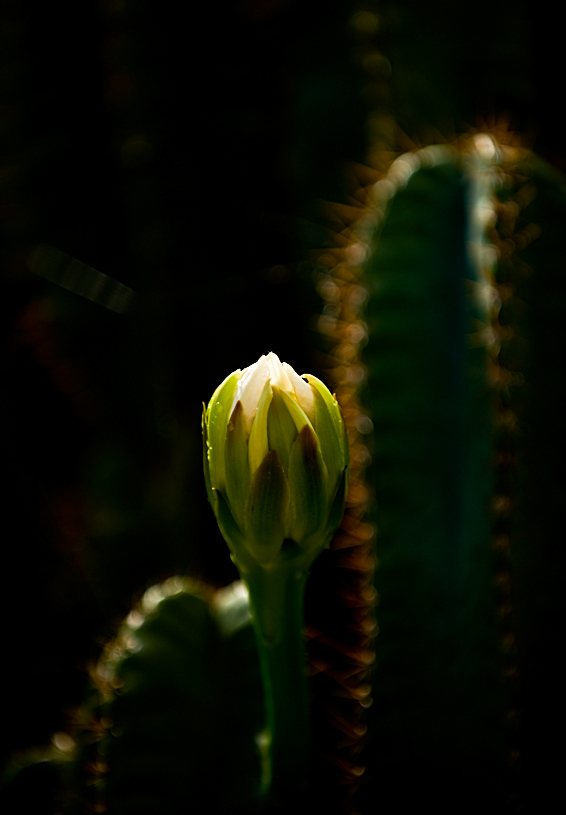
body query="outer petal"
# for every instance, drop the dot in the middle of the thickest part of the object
(278, 373)
(217, 415)
(258, 443)
(237, 463)
(267, 510)
(250, 388)
(308, 483)
(303, 391)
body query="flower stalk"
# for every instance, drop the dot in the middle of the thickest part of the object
(276, 598)
(276, 472)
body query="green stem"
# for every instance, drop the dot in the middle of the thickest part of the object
(276, 602)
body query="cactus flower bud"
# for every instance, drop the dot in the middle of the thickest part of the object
(276, 464)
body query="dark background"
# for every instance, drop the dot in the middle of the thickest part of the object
(183, 151)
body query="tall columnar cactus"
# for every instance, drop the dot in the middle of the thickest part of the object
(449, 345)
(429, 398)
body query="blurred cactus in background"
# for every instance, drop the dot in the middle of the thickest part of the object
(447, 331)
(373, 192)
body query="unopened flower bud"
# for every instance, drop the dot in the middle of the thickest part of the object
(276, 463)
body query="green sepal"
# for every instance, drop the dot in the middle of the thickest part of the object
(331, 440)
(217, 416)
(337, 507)
(206, 467)
(267, 509)
(231, 532)
(321, 538)
(281, 429)
(298, 415)
(307, 480)
(333, 409)
(258, 445)
(346, 446)
(237, 466)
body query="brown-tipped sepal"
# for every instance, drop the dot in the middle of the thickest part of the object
(228, 525)
(237, 465)
(267, 510)
(307, 480)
